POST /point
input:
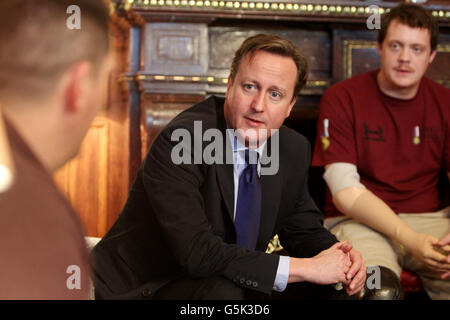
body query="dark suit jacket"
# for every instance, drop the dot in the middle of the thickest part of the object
(178, 220)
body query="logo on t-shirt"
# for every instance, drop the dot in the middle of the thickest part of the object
(374, 135)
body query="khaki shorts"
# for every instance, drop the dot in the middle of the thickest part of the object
(378, 250)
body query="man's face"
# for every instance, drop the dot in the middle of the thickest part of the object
(405, 56)
(260, 96)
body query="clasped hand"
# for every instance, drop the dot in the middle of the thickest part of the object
(340, 263)
(432, 252)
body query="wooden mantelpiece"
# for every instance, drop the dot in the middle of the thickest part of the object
(312, 10)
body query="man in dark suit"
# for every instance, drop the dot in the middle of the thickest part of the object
(189, 229)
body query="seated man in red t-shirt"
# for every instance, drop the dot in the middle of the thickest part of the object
(384, 138)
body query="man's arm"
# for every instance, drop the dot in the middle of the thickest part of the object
(354, 200)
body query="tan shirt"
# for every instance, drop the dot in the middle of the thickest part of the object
(42, 249)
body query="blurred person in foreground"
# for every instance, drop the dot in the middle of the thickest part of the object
(50, 79)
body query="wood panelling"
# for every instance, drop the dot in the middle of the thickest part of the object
(84, 179)
(439, 70)
(158, 110)
(176, 48)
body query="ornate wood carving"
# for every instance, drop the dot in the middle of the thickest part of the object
(158, 110)
(176, 48)
(312, 10)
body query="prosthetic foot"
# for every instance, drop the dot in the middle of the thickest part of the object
(390, 287)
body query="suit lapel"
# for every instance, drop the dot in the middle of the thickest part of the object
(271, 195)
(225, 177)
(271, 183)
(226, 185)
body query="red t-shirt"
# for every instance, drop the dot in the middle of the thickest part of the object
(398, 146)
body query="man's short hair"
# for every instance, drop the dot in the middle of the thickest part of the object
(414, 16)
(276, 45)
(37, 46)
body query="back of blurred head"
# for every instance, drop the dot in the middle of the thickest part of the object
(52, 77)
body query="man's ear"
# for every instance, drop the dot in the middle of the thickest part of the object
(77, 83)
(432, 56)
(294, 100)
(228, 86)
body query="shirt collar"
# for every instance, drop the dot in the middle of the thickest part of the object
(238, 146)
